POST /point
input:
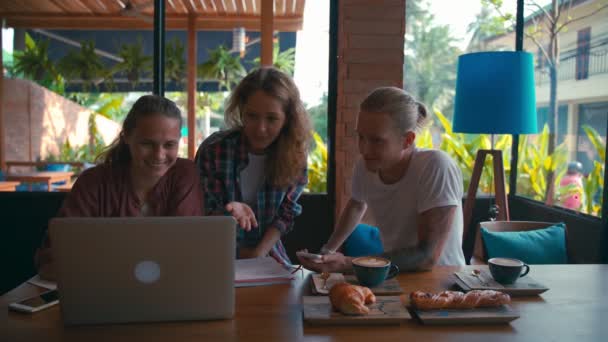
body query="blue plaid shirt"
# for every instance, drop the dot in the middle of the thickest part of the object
(220, 159)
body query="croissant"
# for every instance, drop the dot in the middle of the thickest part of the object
(458, 300)
(351, 299)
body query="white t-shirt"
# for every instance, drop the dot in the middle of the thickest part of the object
(252, 178)
(432, 180)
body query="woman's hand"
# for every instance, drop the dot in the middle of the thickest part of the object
(335, 262)
(243, 214)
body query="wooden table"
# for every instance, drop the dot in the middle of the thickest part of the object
(67, 187)
(8, 186)
(574, 309)
(47, 177)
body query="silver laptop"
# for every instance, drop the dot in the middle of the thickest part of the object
(144, 269)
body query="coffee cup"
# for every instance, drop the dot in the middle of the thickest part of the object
(507, 270)
(372, 271)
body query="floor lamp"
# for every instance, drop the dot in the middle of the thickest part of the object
(495, 94)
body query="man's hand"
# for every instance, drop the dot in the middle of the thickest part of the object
(249, 253)
(335, 262)
(243, 214)
(44, 261)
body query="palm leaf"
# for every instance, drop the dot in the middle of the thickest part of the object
(596, 141)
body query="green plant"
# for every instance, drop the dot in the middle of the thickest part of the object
(34, 63)
(135, 64)
(317, 166)
(82, 153)
(534, 164)
(109, 105)
(430, 57)
(223, 67)
(318, 117)
(593, 183)
(282, 60)
(84, 64)
(175, 64)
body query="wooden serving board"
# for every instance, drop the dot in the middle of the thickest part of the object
(525, 286)
(389, 288)
(502, 314)
(386, 310)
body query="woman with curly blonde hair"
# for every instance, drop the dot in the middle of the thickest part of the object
(256, 169)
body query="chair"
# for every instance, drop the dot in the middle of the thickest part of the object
(480, 256)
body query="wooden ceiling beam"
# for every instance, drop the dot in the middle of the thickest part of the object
(231, 7)
(114, 6)
(279, 7)
(300, 6)
(74, 6)
(177, 6)
(221, 7)
(241, 6)
(118, 22)
(202, 5)
(6, 6)
(211, 6)
(190, 6)
(36, 5)
(95, 6)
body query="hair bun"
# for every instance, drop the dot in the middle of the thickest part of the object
(422, 111)
(422, 115)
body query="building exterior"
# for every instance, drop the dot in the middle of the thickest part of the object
(582, 88)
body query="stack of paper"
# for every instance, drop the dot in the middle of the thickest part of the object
(47, 284)
(260, 271)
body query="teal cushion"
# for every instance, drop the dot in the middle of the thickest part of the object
(541, 246)
(364, 240)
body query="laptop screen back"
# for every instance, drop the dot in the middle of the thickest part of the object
(115, 270)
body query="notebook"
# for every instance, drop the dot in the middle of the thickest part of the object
(260, 271)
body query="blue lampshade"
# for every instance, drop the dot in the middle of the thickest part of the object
(495, 93)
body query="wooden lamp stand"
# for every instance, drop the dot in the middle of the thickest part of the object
(499, 185)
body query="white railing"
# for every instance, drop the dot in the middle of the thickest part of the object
(598, 64)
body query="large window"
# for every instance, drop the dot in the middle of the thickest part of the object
(79, 84)
(564, 164)
(434, 39)
(311, 77)
(105, 69)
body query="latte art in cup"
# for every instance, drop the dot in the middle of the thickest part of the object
(371, 262)
(507, 262)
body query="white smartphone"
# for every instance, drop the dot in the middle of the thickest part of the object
(310, 256)
(36, 303)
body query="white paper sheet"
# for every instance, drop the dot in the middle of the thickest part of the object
(36, 280)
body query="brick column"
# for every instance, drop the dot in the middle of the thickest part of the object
(370, 49)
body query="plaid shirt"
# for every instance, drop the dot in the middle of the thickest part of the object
(220, 159)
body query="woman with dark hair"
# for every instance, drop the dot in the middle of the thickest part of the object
(256, 170)
(139, 173)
